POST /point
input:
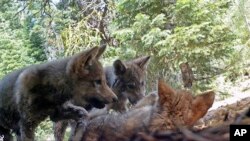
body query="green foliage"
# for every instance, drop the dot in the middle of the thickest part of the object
(33, 34)
(186, 31)
(238, 19)
(45, 131)
(18, 48)
(13, 47)
(78, 36)
(213, 36)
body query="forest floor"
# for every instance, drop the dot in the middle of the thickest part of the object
(236, 92)
(234, 105)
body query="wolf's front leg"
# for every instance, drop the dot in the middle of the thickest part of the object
(78, 128)
(59, 129)
(69, 111)
(26, 131)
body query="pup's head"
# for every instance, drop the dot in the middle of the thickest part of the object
(181, 107)
(132, 78)
(88, 79)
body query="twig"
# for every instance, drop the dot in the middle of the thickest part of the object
(191, 135)
(21, 10)
(104, 36)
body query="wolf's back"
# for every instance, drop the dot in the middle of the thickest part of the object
(7, 85)
(8, 112)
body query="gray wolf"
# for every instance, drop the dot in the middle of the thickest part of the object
(128, 82)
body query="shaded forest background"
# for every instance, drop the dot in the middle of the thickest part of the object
(211, 36)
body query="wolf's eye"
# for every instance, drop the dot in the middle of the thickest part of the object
(98, 82)
(131, 86)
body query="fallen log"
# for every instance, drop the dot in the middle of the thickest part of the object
(224, 113)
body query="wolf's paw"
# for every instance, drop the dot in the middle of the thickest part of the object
(79, 112)
(68, 111)
(76, 112)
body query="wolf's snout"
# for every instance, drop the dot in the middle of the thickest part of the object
(133, 101)
(111, 97)
(115, 99)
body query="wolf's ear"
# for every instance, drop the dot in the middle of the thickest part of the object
(100, 52)
(120, 67)
(142, 62)
(87, 58)
(82, 60)
(200, 106)
(165, 92)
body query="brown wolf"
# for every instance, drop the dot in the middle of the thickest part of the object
(128, 82)
(29, 95)
(173, 109)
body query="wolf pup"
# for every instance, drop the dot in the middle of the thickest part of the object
(30, 95)
(128, 82)
(173, 109)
